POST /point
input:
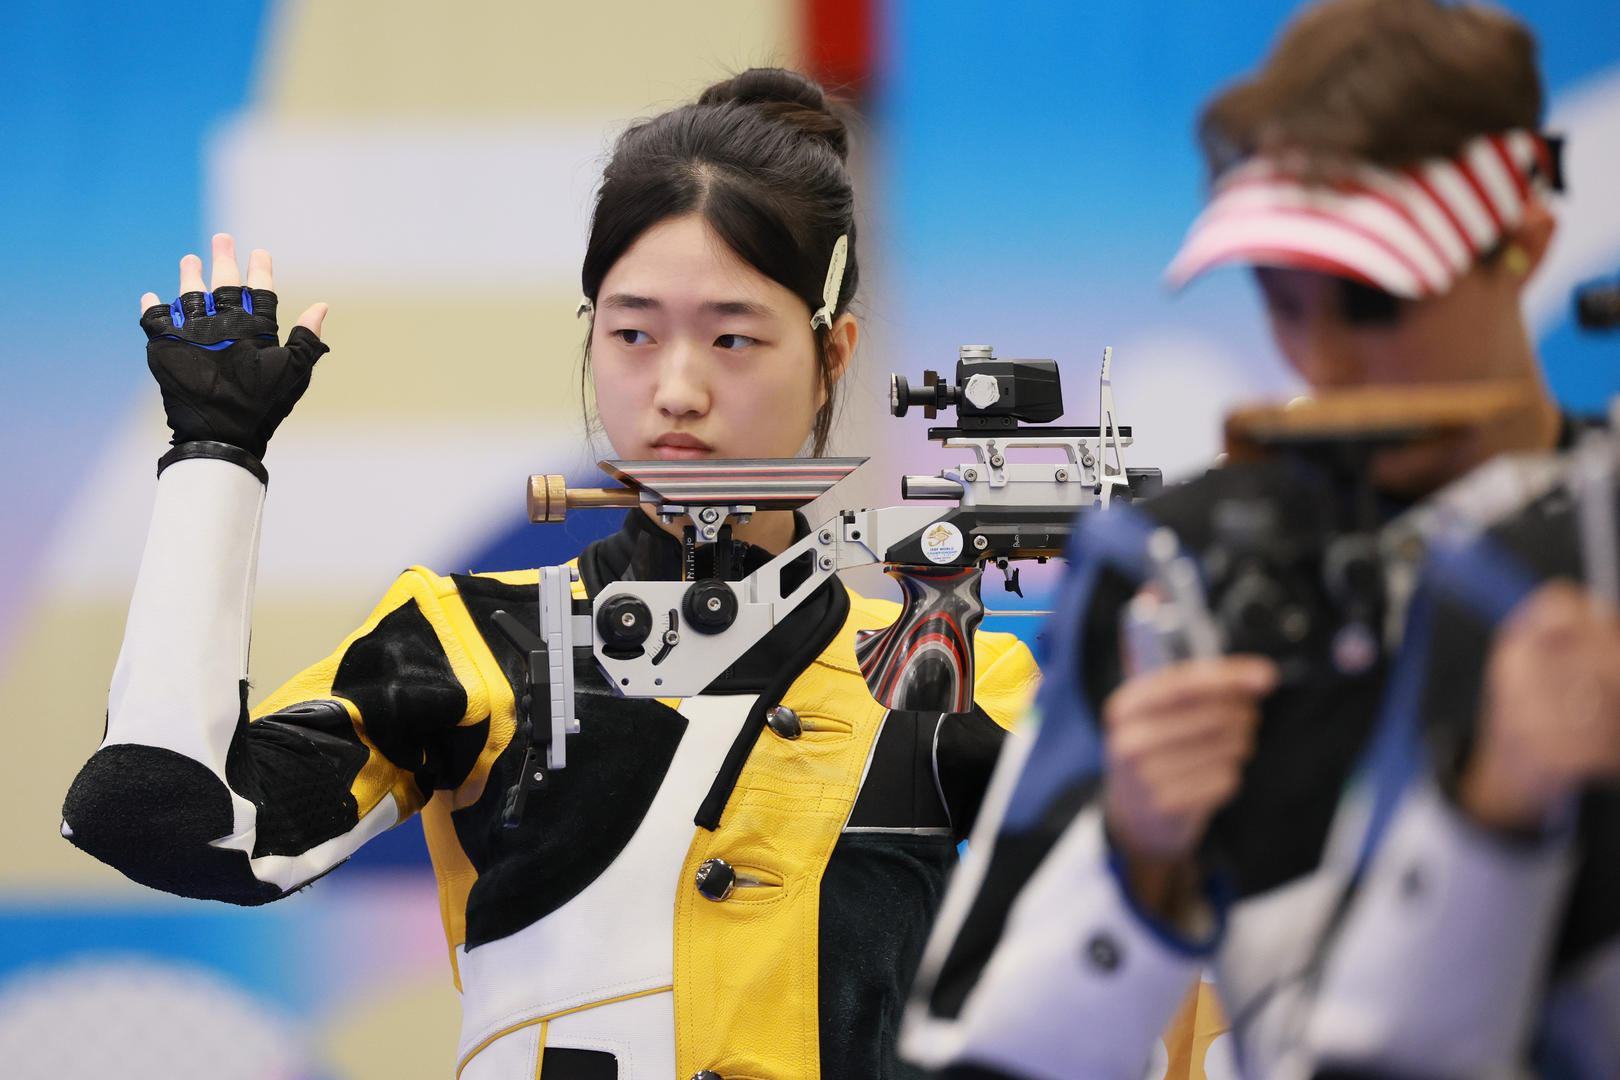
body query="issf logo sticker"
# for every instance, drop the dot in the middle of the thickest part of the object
(941, 542)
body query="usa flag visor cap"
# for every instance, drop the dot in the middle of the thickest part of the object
(1410, 231)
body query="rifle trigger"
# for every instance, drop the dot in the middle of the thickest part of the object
(517, 796)
(1010, 582)
(533, 650)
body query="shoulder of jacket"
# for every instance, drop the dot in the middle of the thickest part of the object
(530, 577)
(991, 646)
(419, 583)
(866, 612)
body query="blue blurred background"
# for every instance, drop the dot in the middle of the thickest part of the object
(1027, 170)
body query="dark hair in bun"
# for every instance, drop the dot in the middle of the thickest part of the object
(762, 157)
(787, 97)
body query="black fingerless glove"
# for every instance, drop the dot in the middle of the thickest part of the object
(226, 382)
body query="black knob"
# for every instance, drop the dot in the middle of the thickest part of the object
(707, 1074)
(931, 396)
(785, 722)
(899, 395)
(624, 621)
(715, 879)
(709, 606)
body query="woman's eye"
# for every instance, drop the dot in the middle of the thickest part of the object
(633, 337)
(735, 341)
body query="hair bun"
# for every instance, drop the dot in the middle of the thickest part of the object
(787, 97)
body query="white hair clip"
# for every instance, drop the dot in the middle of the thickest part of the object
(835, 283)
(585, 307)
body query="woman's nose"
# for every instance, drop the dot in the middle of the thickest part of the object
(683, 384)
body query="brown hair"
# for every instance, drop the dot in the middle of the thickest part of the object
(1383, 81)
(763, 157)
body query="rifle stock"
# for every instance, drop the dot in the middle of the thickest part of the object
(924, 661)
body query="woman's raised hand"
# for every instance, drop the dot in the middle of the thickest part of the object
(227, 274)
(225, 378)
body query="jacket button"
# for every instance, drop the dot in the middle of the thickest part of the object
(1103, 952)
(715, 879)
(785, 722)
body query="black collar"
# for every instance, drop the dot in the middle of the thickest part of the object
(641, 551)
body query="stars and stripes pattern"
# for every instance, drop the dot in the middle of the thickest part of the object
(1410, 231)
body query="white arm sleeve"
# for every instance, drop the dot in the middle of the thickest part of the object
(1079, 985)
(185, 645)
(178, 687)
(1439, 968)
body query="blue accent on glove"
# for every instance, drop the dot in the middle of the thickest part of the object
(176, 314)
(218, 345)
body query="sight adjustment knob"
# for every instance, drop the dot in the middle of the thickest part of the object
(709, 606)
(624, 621)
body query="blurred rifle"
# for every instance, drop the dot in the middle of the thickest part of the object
(1327, 590)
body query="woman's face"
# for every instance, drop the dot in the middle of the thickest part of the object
(694, 353)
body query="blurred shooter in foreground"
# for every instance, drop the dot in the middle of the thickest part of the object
(1384, 175)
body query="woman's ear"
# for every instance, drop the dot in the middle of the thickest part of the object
(841, 339)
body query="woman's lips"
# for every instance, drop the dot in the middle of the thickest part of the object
(676, 447)
(670, 452)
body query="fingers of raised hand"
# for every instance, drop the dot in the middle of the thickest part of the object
(312, 318)
(259, 274)
(191, 278)
(226, 295)
(156, 319)
(225, 271)
(304, 346)
(193, 300)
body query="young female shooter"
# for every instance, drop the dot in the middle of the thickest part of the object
(604, 935)
(1383, 174)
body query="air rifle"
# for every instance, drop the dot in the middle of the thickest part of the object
(672, 638)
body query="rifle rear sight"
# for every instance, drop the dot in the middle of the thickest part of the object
(989, 394)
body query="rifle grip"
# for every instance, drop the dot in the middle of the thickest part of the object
(924, 661)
